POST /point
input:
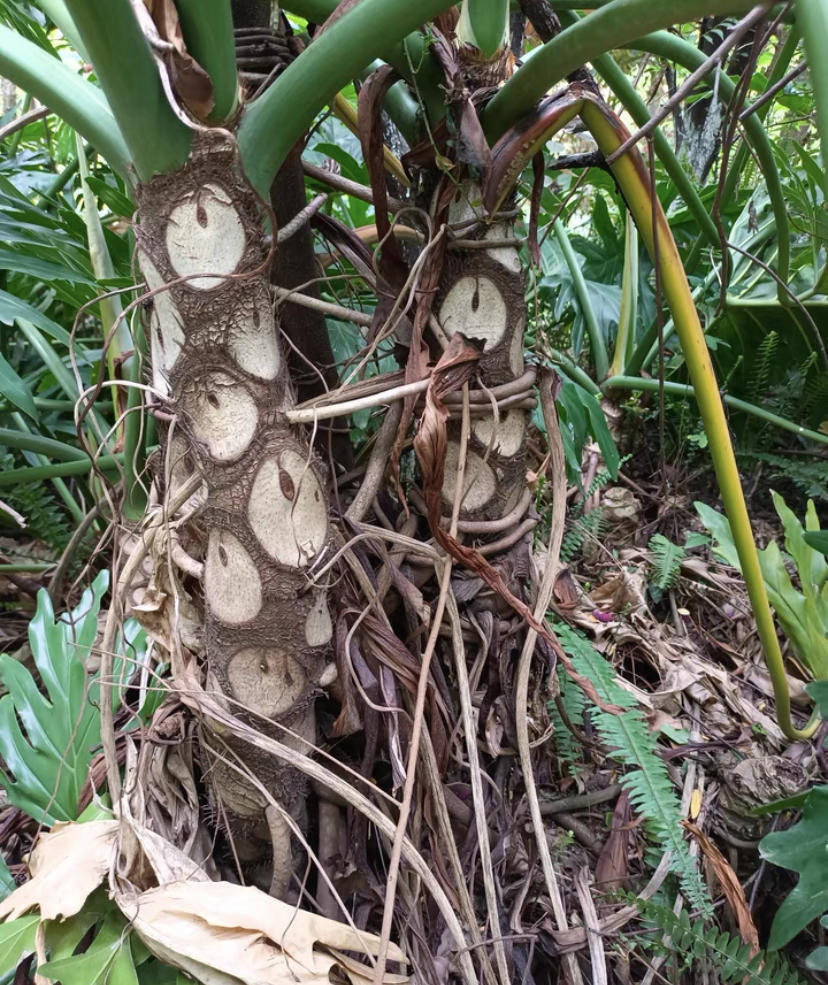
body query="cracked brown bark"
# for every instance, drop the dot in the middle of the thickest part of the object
(217, 358)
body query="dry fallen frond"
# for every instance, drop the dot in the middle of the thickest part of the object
(219, 932)
(66, 866)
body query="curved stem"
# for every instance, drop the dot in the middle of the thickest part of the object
(812, 16)
(621, 382)
(272, 124)
(654, 229)
(40, 445)
(611, 26)
(646, 349)
(207, 26)
(78, 102)
(36, 473)
(158, 141)
(606, 66)
(633, 178)
(667, 45)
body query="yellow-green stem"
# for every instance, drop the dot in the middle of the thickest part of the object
(652, 224)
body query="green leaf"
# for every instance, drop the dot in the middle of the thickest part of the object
(12, 308)
(113, 199)
(107, 960)
(7, 883)
(666, 560)
(57, 86)
(632, 743)
(803, 848)
(47, 740)
(583, 416)
(817, 539)
(817, 960)
(44, 270)
(818, 690)
(17, 939)
(15, 390)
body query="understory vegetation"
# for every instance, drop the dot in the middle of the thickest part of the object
(413, 492)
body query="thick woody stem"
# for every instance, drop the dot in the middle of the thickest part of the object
(216, 355)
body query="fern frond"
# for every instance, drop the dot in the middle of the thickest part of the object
(760, 372)
(591, 524)
(666, 558)
(602, 477)
(730, 956)
(573, 702)
(811, 478)
(45, 519)
(633, 744)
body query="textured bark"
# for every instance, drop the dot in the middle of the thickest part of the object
(216, 354)
(482, 295)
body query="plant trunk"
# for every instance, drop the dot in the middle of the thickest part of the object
(481, 294)
(216, 357)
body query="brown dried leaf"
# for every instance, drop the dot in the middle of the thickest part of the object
(731, 887)
(219, 932)
(567, 592)
(611, 870)
(191, 83)
(66, 866)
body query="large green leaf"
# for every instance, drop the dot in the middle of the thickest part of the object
(803, 613)
(803, 848)
(17, 939)
(107, 960)
(47, 740)
(15, 390)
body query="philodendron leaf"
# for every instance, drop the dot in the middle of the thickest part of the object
(803, 848)
(17, 939)
(817, 539)
(47, 740)
(818, 690)
(107, 960)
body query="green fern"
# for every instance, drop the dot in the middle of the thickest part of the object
(730, 956)
(633, 744)
(810, 477)
(590, 525)
(761, 370)
(665, 561)
(573, 701)
(602, 477)
(45, 519)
